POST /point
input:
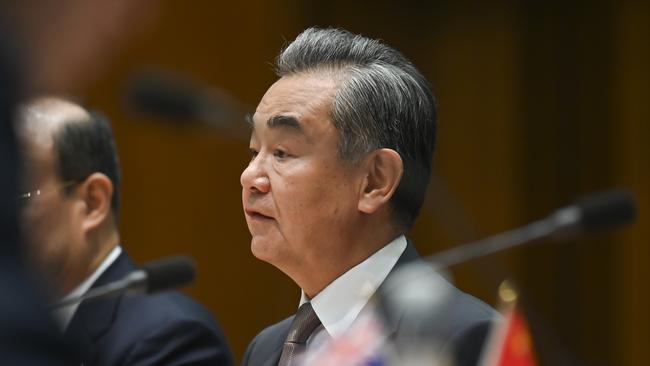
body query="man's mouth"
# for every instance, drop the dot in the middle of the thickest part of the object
(256, 215)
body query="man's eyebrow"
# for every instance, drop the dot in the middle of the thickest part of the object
(284, 121)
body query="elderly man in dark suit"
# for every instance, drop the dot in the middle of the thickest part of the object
(341, 154)
(70, 207)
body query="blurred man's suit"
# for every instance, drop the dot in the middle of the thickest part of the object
(469, 323)
(163, 329)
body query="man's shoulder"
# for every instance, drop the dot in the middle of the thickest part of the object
(273, 330)
(145, 311)
(458, 322)
(470, 321)
(151, 329)
(463, 308)
(163, 328)
(453, 309)
(162, 309)
(470, 309)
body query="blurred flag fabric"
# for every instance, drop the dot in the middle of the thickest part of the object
(366, 343)
(363, 345)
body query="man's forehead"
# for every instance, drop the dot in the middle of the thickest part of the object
(294, 101)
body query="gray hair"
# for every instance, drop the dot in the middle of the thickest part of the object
(382, 101)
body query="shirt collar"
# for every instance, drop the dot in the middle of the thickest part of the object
(339, 304)
(64, 315)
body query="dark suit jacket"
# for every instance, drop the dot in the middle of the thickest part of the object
(162, 329)
(466, 325)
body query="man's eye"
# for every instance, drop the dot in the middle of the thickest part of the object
(253, 153)
(280, 154)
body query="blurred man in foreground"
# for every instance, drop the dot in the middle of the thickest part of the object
(70, 208)
(54, 46)
(341, 154)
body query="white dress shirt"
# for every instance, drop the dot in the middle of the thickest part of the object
(339, 304)
(64, 315)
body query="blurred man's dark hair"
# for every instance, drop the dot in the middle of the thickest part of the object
(86, 148)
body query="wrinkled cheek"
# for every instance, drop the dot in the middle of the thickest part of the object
(310, 218)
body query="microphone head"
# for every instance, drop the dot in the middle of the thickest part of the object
(168, 273)
(416, 296)
(165, 96)
(182, 100)
(607, 209)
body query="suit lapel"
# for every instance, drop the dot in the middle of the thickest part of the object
(269, 347)
(278, 343)
(93, 319)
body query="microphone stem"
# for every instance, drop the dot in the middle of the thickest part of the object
(133, 282)
(531, 232)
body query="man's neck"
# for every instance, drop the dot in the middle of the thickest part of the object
(102, 245)
(64, 314)
(358, 250)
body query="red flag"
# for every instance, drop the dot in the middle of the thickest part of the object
(517, 347)
(510, 343)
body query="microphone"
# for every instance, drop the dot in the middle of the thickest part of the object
(596, 212)
(156, 276)
(419, 297)
(183, 101)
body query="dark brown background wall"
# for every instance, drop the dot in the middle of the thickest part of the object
(540, 102)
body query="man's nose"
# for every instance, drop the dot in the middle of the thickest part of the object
(254, 177)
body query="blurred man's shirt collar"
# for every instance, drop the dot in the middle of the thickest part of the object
(64, 315)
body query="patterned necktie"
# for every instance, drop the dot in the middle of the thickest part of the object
(303, 325)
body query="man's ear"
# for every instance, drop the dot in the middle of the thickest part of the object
(96, 192)
(384, 172)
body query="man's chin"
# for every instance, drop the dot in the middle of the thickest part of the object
(265, 250)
